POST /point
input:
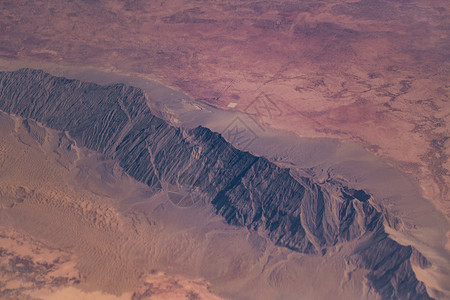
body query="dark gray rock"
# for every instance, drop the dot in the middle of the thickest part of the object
(246, 190)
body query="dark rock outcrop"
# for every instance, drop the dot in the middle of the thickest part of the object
(246, 190)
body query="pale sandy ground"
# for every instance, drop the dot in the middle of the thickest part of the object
(32, 268)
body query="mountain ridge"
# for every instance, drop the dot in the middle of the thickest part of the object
(247, 190)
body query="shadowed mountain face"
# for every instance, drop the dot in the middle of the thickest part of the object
(246, 190)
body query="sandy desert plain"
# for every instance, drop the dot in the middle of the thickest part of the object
(371, 75)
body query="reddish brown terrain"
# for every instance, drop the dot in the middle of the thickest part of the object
(372, 71)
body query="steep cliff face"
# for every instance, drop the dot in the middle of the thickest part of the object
(246, 190)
